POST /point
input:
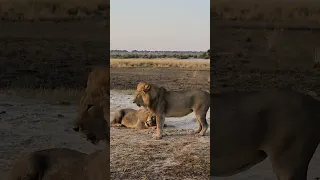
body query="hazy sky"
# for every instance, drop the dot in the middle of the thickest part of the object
(160, 25)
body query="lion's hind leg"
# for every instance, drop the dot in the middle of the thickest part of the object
(200, 111)
(291, 161)
(203, 126)
(201, 119)
(118, 116)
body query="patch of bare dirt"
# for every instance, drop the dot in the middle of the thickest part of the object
(179, 155)
(171, 78)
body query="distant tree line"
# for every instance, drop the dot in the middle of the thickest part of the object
(124, 54)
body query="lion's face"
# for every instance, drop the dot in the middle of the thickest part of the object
(151, 120)
(142, 97)
(90, 122)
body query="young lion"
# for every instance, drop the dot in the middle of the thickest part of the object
(131, 118)
(165, 103)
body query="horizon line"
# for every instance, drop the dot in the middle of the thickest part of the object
(159, 50)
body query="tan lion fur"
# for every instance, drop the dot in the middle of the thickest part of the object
(136, 119)
(165, 103)
(248, 127)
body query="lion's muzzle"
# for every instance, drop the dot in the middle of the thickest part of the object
(137, 102)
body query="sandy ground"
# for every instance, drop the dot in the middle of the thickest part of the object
(179, 155)
(28, 125)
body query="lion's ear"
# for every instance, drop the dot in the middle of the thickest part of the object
(139, 81)
(146, 88)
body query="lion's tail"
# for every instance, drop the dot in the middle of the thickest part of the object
(117, 118)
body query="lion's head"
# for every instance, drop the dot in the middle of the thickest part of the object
(151, 120)
(93, 115)
(142, 97)
(145, 93)
(92, 124)
(148, 95)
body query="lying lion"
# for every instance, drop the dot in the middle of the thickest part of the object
(165, 103)
(131, 118)
(44, 162)
(248, 127)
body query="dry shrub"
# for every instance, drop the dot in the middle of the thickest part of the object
(160, 63)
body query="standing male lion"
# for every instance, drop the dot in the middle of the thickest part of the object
(173, 104)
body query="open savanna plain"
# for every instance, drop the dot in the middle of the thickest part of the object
(179, 155)
(255, 48)
(47, 50)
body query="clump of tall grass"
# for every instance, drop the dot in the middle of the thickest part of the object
(160, 63)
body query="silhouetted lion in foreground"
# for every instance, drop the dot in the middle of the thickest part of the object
(248, 127)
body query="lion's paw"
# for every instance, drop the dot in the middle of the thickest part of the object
(199, 134)
(156, 137)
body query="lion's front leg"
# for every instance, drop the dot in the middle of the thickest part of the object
(160, 122)
(117, 125)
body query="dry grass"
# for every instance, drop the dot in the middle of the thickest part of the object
(62, 96)
(52, 9)
(292, 11)
(126, 91)
(160, 63)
